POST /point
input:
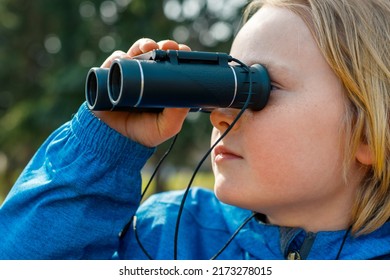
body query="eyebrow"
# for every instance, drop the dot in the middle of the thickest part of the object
(280, 71)
(277, 67)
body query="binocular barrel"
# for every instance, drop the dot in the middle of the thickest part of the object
(176, 79)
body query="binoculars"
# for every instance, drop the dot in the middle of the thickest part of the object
(177, 79)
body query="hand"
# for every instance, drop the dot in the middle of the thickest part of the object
(149, 129)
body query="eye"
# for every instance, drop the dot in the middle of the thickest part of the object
(274, 87)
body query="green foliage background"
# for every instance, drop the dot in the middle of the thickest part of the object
(47, 47)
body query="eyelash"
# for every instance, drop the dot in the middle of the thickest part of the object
(274, 87)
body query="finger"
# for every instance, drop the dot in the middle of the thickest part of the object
(142, 46)
(117, 54)
(168, 45)
(183, 47)
(170, 121)
(161, 126)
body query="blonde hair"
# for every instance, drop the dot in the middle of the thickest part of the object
(354, 38)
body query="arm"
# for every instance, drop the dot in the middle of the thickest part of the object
(75, 195)
(83, 184)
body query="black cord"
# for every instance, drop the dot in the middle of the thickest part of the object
(342, 243)
(233, 236)
(134, 218)
(138, 240)
(180, 212)
(162, 159)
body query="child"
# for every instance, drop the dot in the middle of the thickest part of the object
(307, 177)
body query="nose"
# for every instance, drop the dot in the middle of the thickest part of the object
(222, 118)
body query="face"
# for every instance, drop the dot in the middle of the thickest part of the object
(285, 161)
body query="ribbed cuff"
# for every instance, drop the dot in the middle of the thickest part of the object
(106, 143)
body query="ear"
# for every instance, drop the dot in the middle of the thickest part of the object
(364, 154)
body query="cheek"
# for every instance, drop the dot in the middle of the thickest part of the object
(295, 149)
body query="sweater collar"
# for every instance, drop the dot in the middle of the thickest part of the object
(260, 240)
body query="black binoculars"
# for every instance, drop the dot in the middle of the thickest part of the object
(177, 79)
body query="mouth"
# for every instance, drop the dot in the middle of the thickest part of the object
(222, 153)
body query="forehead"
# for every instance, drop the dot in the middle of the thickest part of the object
(275, 36)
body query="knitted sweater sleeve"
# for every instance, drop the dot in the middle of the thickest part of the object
(75, 195)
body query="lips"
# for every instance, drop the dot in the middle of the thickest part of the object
(223, 153)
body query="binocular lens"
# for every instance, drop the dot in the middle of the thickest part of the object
(115, 85)
(96, 93)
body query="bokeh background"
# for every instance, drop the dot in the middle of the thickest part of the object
(48, 46)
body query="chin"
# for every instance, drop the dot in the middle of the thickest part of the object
(226, 194)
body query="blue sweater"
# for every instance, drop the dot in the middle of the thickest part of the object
(83, 185)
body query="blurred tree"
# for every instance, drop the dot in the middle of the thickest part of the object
(47, 47)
